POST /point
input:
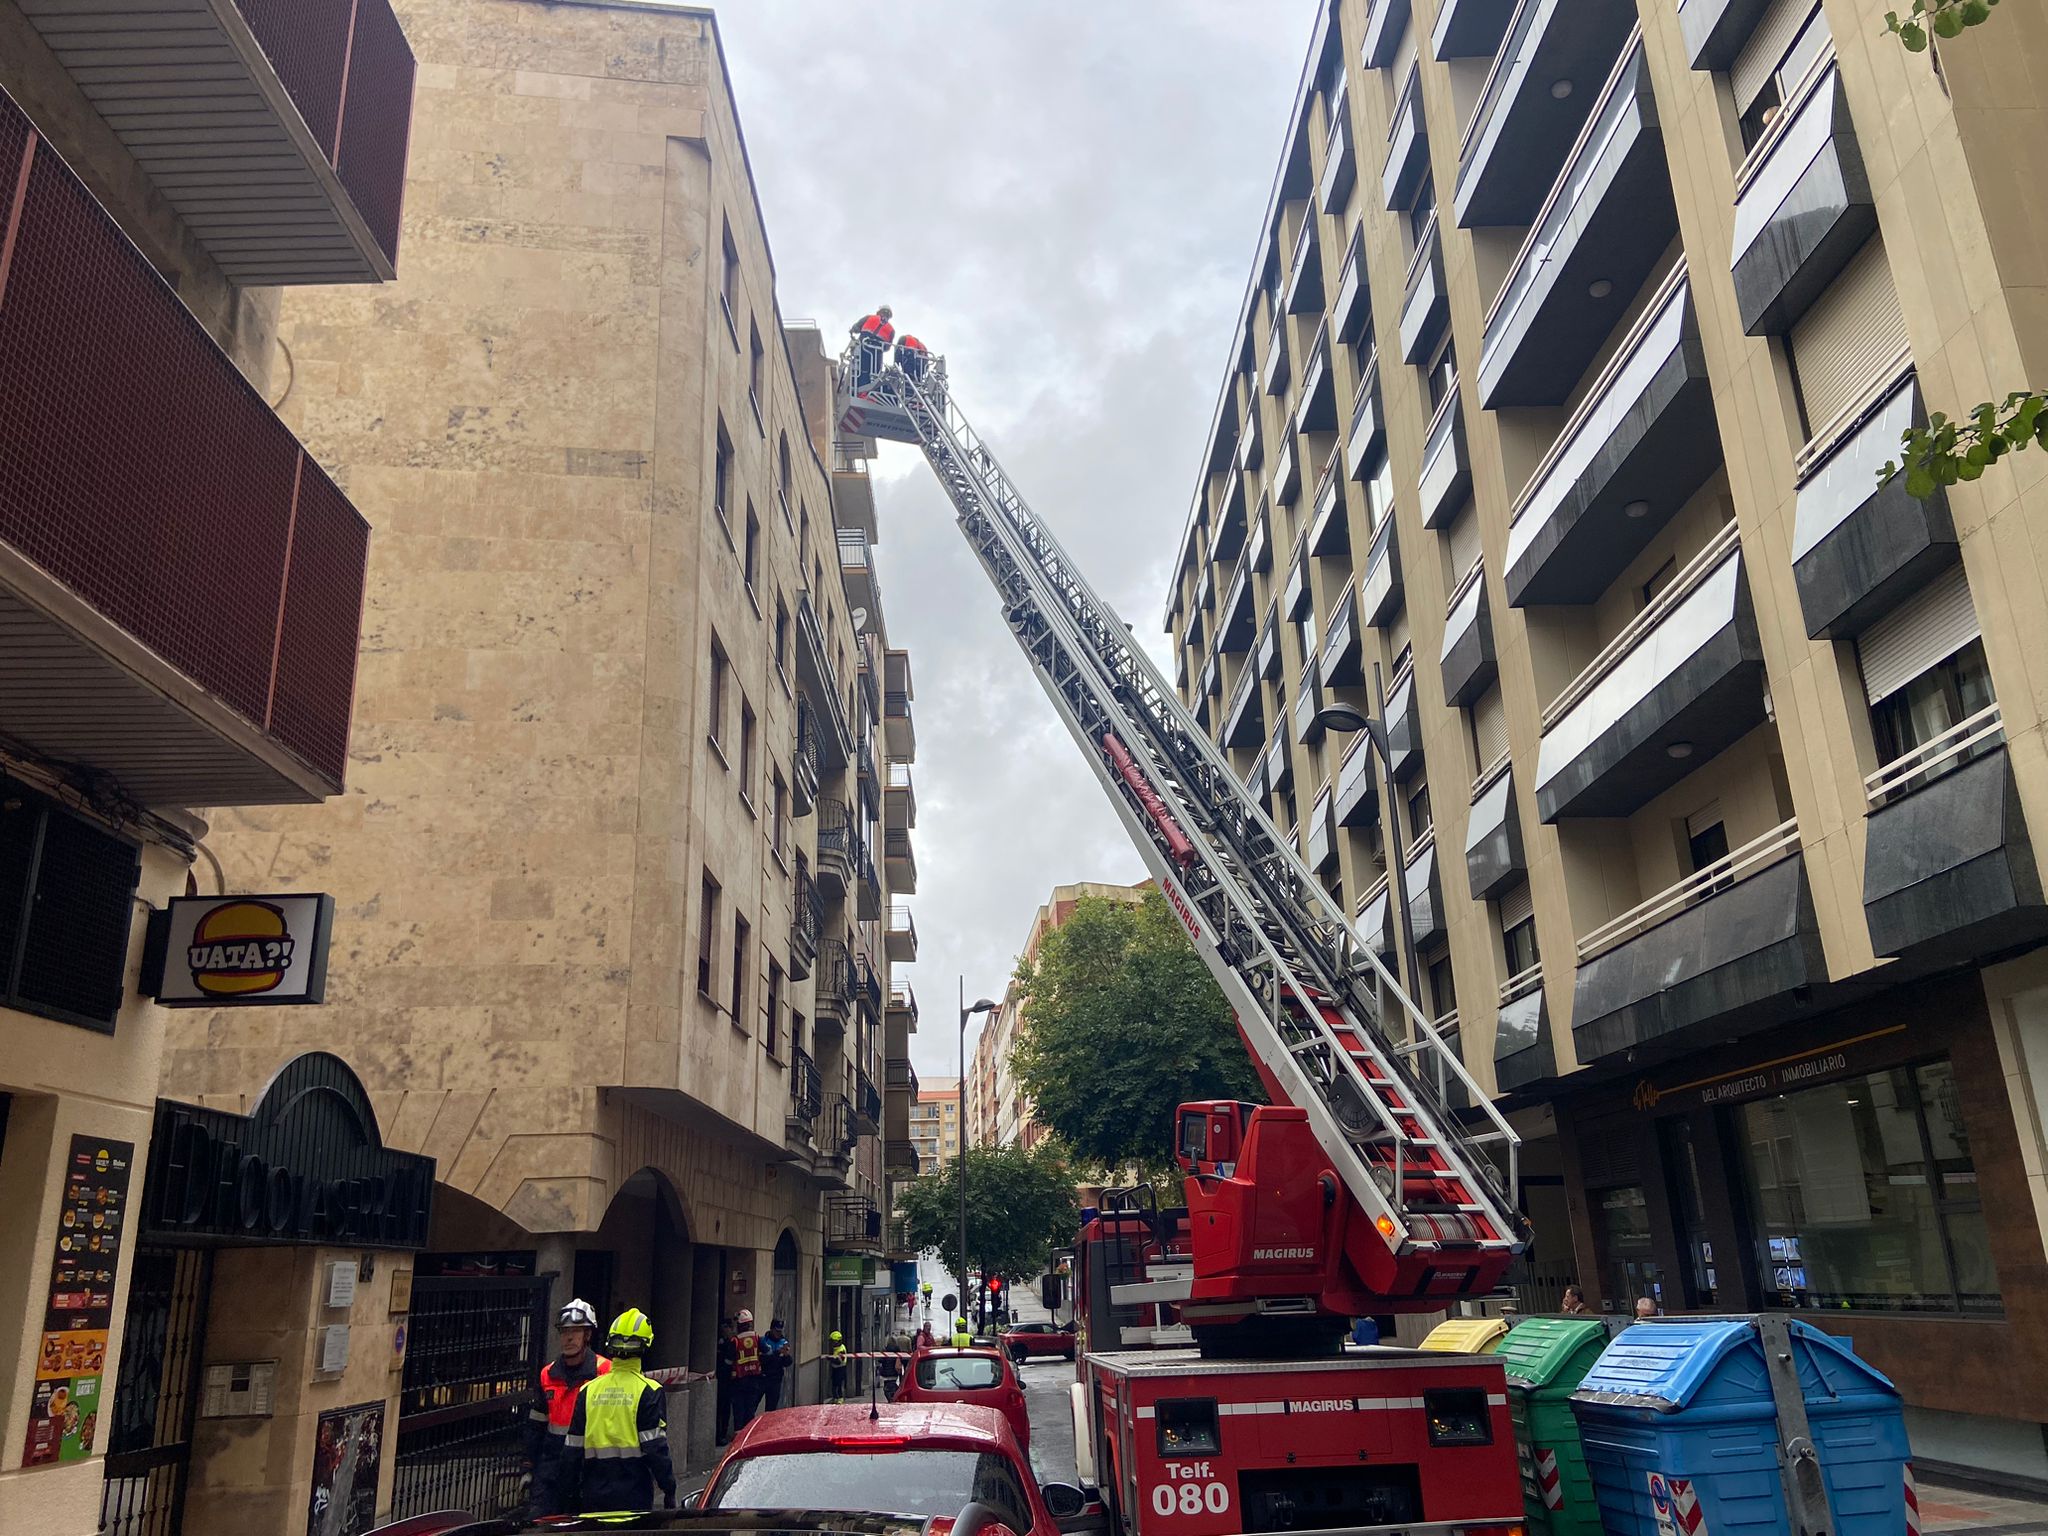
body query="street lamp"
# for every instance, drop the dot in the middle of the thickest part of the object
(1347, 719)
(981, 1005)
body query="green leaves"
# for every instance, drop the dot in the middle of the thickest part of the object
(1020, 1204)
(1946, 18)
(1944, 452)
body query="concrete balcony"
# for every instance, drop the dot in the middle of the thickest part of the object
(900, 938)
(1535, 100)
(1803, 207)
(853, 1223)
(1279, 359)
(857, 573)
(1446, 479)
(1468, 660)
(1366, 443)
(899, 730)
(899, 858)
(1329, 529)
(1340, 158)
(1858, 547)
(1279, 759)
(1234, 622)
(1317, 411)
(1374, 924)
(1607, 222)
(1523, 1054)
(181, 584)
(1226, 539)
(1308, 703)
(1251, 441)
(1730, 948)
(1379, 593)
(1244, 722)
(1494, 858)
(902, 1013)
(1470, 29)
(1286, 479)
(277, 133)
(835, 850)
(1258, 542)
(899, 800)
(1356, 797)
(1426, 917)
(1384, 20)
(832, 997)
(1949, 871)
(1407, 159)
(1683, 682)
(1426, 305)
(853, 493)
(1351, 310)
(1343, 654)
(820, 685)
(1209, 680)
(1297, 597)
(1715, 30)
(1266, 654)
(1321, 847)
(1644, 441)
(1403, 722)
(1304, 292)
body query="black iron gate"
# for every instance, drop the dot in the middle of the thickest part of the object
(149, 1443)
(473, 1354)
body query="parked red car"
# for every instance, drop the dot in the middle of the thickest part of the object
(922, 1459)
(979, 1376)
(1038, 1341)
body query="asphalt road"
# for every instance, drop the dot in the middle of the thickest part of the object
(1049, 1403)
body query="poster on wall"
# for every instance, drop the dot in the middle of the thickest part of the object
(64, 1402)
(347, 1447)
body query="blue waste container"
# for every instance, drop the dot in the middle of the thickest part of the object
(1681, 1432)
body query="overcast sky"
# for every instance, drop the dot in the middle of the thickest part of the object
(1062, 196)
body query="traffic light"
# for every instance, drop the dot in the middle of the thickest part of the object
(995, 1284)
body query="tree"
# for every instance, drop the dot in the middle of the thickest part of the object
(1019, 1205)
(1121, 1023)
(1944, 451)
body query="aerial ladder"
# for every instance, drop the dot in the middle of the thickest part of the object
(1358, 1191)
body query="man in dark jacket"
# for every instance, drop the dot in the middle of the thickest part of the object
(560, 1380)
(728, 1356)
(616, 1452)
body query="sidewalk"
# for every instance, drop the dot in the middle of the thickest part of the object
(1951, 1510)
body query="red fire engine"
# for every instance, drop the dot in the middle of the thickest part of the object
(1215, 1394)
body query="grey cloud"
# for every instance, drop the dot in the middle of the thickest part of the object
(1062, 197)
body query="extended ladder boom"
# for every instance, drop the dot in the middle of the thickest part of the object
(1305, 990)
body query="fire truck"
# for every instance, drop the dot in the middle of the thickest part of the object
(1214, 1393)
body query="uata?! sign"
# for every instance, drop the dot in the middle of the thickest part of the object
(239, 951)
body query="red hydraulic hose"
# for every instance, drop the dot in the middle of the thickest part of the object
(1177, 844)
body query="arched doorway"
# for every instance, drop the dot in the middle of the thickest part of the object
(785, 1293)
(642, 1257)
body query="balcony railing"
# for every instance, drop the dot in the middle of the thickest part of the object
(1957, 745)
(216, 570)
(816, 673)
(1780, 842)
(277, 133)
(1521, 984)
(807, 921)
(836, 837)
(803, 763)
(806, 1088)
(867, 1105)
(901, 935)
(852, 1222)
(901, 857)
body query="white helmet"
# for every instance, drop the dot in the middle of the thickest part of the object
(886, 312)
(577, 1314)
(745, 1319)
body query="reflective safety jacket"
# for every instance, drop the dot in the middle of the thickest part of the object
(746, 1355)
(548, 1424)
(875, 328)
(616, 1452)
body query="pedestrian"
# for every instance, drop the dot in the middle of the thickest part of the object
(616, 1451)
(911, 357)
(726, 1356)
(927, 1298)
(872, 335)
(1574, 1303)
(1646, 1306)
(840, 1363)
(746, 1370)
(777, 1355)
(1364, 1331)
(924, 1336)
(560, 1380)
(962, 1337)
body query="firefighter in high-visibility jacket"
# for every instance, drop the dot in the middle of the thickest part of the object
(616, 1452)
(561, 1380)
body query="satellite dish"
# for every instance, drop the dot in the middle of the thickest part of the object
(860, 620)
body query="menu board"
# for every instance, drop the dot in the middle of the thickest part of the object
(64, 1405)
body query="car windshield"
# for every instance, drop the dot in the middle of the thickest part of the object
(959, 1373)
(886, 1483)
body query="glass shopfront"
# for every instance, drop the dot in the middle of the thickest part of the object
(1863, 1196)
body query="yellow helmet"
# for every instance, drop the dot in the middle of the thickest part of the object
(837, 1336)
(632, 1333)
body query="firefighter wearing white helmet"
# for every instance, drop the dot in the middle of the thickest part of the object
(560, 1380)
(617, 1446)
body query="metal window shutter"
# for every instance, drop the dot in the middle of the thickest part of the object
(1517, 906)
(1774, 33)
(1931, 625)
(1464, 541)
(1489, 726)
(1849, 337)
(1700, 820)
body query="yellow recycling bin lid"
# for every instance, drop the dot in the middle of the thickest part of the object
(1467, 1335)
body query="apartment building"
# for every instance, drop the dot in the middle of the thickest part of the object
(612, 880)
(935, 1124)
(1575, 336)
(180, 593)
(998, 1109)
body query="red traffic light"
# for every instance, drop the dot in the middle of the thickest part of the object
(995, 1282)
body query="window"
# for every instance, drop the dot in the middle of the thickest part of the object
(1443, 986)
(1379, 491)
(1770, 67)
(1943, 696)
(746, 752)
(1848, 342)
(782, 474)
(71, 886)
(729, 281)
(778, 813)
(750, 550)
(803, 538)
(1420, 213)
(1518, 930)
(714, 702)
(707, 932)
(1706, 842)
(771, 1011)
(1419, 820)
(721, 478)
(742, 942)
(755, 357)
(1489, 729)
(1689, 1208)
(1441, 372)
(1866, 1197)
(781, 635)
(797, 1034)
(1660, 578)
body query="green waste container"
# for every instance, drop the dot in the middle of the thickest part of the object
(1545, 1358)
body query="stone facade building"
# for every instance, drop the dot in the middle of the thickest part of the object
(1574, 340)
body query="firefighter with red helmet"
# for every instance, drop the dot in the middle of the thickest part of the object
(560, 1380)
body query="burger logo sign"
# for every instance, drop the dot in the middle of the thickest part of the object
(235, 951)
